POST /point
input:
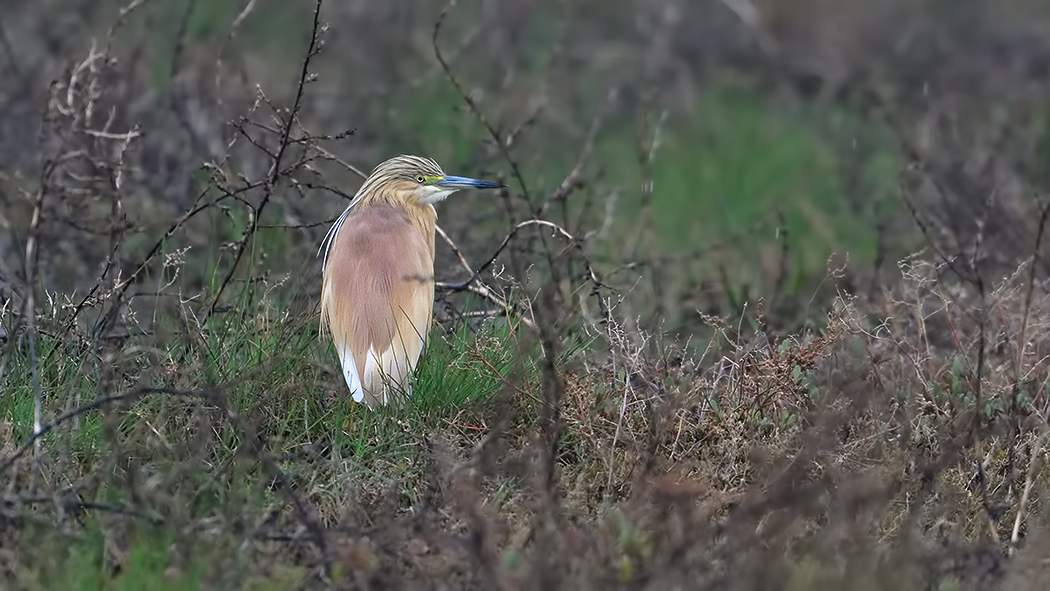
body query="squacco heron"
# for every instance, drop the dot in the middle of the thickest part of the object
(377, 294)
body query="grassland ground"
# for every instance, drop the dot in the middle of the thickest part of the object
(826, 457)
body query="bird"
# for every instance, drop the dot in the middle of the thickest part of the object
(377, 275)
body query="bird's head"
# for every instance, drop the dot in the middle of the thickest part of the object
(420, 180)
(405, 180)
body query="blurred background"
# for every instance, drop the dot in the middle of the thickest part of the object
(720, 151)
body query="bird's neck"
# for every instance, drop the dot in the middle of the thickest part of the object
(424, 216)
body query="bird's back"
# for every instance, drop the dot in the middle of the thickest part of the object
(378, 294)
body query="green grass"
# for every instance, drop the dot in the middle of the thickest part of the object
(255, 363)
(269, 368)
(283, 382)
(78, 566)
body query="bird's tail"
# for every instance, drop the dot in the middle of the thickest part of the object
(351, 373)
(384, 377)
(387, 376)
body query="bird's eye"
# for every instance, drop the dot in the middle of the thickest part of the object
(420, 179)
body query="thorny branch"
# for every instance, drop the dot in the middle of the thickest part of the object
(571, 183)
(274, 175)
(472, 105)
